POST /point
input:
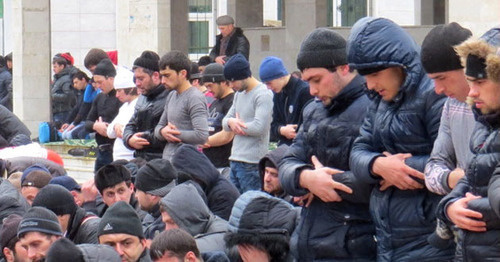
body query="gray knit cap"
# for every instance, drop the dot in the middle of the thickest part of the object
(322, 48)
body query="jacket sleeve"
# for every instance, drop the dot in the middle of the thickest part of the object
(294, 161)
(433, 109)
(7, 83)
(494, 190)
(263, 114)
(442, 160)
(64, 93)
(198, 113)
(92, 116)
(458, 192)
(82, 113)
(243, 46)
(230, 114)
(277, 122)
(162, 122)
(363, 151)
(130, 129)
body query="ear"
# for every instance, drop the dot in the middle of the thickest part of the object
(190, 257)
(183, 73)
(132, 187)
(9, 256)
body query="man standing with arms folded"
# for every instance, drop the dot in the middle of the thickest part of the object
(250, 119)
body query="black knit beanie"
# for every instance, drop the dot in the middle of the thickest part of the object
(64, 250)
(111, 175)
(120, 218)
(237, 68)
(322, 48)
(157, 177)
(148, 60)
(213, 73)
(438, 54)
(57, 199)
(105, 68)
(39, 219)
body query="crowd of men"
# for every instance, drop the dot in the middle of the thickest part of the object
(387, 151)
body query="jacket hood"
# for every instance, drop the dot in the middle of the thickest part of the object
(96, 253)
(486, 47)
(275, 157)
(379, 42)
(11, 201)
(187, 209)
(65, 71)
(191, 164)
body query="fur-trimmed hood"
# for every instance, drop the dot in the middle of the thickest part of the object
(487, 47)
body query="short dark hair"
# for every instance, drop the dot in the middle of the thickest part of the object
(59, 60)
(204, 60)
(175, 242)
(81, 75)
(94, 56)
(177, 61)
(130, 91)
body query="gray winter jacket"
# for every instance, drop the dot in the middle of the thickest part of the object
(11, 201)
(189, 212)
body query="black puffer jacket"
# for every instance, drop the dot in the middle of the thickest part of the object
(238, 43)
(407, 124)
(61, 92)
(146, 116)
(10, 127)
(191, 164)
(334, 231)
(83, 227)
(485, 145)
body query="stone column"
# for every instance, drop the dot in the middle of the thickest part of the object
(157, 25)
(246, 13)
(32, 62)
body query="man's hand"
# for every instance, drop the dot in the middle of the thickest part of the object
(249, 253)
(395, 172)
(319, 182)
(118, 128)
(220, 59)
(89, 191)
(101, 127)
(465, 218)
(289, 131)
(170, 133)
(237, 125)
(454, 176)
(137, 141)
(63, 127)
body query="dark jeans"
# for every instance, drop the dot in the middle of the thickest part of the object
(245, 176)
(104, 157)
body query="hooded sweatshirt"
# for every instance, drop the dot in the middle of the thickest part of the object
(189, 212)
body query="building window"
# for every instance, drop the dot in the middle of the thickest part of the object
(200, 6)
(198, 37)
(345, 12)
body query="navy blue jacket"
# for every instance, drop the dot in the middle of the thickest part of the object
(334, 231)
(407, 124)
(288, 106)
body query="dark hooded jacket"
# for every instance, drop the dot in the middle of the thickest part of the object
(11, 201)
(407, 124)
(274, 157)
(344, 227)
(98, 253)
(20, 163)
(10, 127)
(83, 227)
(189, 212)
(238, 43)
(482, 171)
(5, 88)
(193, 165)
(262, 221)
(146, 116)
(61, 92)
(288, 106)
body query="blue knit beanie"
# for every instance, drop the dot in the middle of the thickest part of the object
(272, 68)
(237, 68)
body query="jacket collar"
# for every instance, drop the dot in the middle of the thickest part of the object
(347, 95)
